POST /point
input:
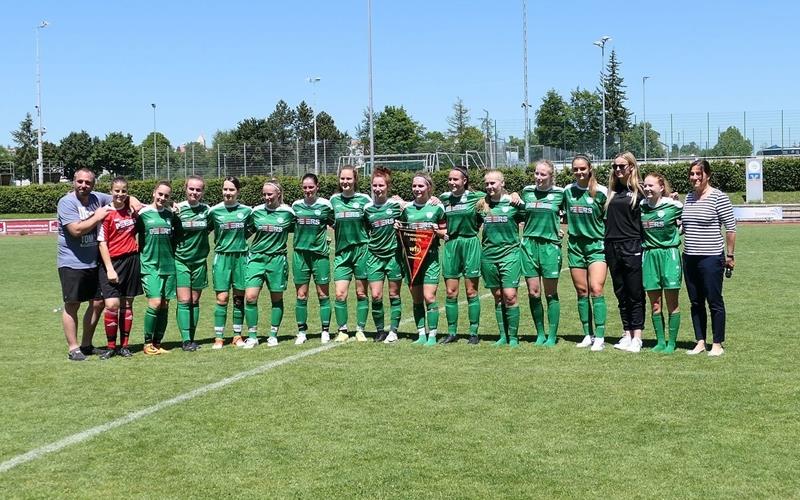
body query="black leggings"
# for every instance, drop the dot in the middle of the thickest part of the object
(703, 275)
(624, 260)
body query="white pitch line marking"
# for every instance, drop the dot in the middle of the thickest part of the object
(59, 445)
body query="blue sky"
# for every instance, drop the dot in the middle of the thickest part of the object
(208, 65)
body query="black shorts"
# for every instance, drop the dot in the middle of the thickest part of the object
(79, 285)
(129, 281)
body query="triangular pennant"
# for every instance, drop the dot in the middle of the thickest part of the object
(416, 243)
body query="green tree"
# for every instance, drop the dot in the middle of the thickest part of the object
(633, 141)
(25, 152)
(75, 152)
(281, 123)
(395, 131)
(252, 131)
(691, 149)
(553, 122)
(164, 152)
(304, 123)
(618, 118)
(731, 142)
(117, 154)
(434, 141)
(472, 139)
(458, 123)
(586, 113)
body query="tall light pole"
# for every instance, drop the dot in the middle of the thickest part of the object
(602, 44)
(371, 113)
(155, 144)
(525, 103)
(39, 157)
(644, 116)
(313, 80)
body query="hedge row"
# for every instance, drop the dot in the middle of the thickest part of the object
(780, 174)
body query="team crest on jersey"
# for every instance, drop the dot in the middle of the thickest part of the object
(389, 212)
(660, 213)
(240, 216)
(356, 205)
(550, 196)
(589, 199)
(429, 214)
(505, 209)
(280, 219)
(317, 212)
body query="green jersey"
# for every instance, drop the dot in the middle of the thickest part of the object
(350, 229)
(311, 225)
(191, 233)
(462, 220)
(542, 210)
(271, 228)
(382, 234)
(230, 227)
(501, 229)
(155, 240)
(585, 213)
(660, 223)
(425, 216)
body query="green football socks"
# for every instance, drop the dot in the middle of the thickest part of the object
(474, 313)
(658, 327)
(377, 314)
(276, 315)
(553, 317)
(537, 312)
(183, 316)
(674, 327)
(501, 325)
(599, 312)
(340, 310)
(583, 314)
(362, 311)
(251, 315)
(220, 315)
(325, 312)
(512, 314)
(451, 313)
(396, 311)
(150, 321)
(301, 314)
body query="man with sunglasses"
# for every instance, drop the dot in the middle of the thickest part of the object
(79, 213)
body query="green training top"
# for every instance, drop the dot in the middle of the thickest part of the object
(191, 233)
(229, 225)
(311, 225)
(501, 229)
(155, 240)
(425, 216)
(585, 213)
(462, 220)
(271, 228)
(660, 223)
(350, 229)
(541, 212)
(382, 235)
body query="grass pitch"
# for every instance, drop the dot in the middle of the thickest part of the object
(403, 421)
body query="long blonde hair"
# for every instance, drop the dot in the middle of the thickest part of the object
(634, 183)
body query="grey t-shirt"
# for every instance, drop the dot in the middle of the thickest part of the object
(78, 253)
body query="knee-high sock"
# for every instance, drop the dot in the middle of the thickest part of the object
(505, 317)
(451, 313)
(251, 316)
(396, 311)
(500, 317)
(599, 312)
(419, 316)
(537, 311)
(340, 308)
(238, 315)
(111, 324)
(161, 325)
(220, 315)
(183, 313)
(512, 313)
(301, 314)
(362, 311)
(276, 317)
(150, 320)
(553, 315)
(125, 324)
(658, 327)
(195, 318)
(325, 312)
(474, 313)
(583, 314)
(432, 314)
(377, 314)
(674, 327)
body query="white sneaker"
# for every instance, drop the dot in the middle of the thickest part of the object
(272, 341)
(300, 339)
(325, 337)
(238, 341)
(598, 344)
(391, 338)
(586, 342)
(623, 343)
(250, 343)
(360, 335)
(635, 345)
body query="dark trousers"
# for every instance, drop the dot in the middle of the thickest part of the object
(703, 275)
(624, 259)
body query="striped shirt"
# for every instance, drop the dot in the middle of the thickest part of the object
(702, 220)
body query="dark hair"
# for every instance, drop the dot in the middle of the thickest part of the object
(702, 164)
(85, 171)
(381, 171)
(311, 176)
(163, 183)
(119, 180)
(463, 172)
(233, 180)
(195, 178)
